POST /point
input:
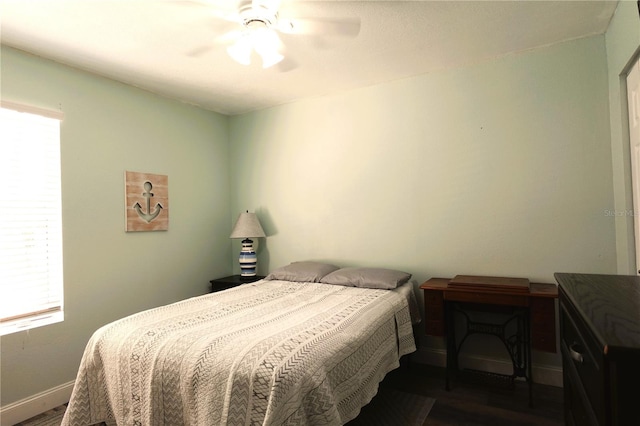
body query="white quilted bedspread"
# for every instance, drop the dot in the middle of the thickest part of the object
(267, 353)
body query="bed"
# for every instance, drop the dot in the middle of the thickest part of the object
(302, 347)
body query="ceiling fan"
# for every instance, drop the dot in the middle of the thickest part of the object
(261, 23)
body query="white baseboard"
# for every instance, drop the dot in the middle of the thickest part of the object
(32, 406)
(543, 374)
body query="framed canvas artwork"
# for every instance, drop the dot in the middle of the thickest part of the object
(146, 202)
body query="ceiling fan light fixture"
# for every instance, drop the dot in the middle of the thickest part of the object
(262, 40)
(259, 35)
(265, 43)
(240, 51)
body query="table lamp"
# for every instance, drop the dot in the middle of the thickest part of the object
(247, 226)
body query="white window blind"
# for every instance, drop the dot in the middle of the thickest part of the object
(31, 284)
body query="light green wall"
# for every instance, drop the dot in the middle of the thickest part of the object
(503, 168)
(623, 42)
(109, 128)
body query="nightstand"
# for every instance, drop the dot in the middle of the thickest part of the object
(220, 284)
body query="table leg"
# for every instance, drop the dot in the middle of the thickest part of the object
(452, 353)
(528, 360)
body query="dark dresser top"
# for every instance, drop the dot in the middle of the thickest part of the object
(610, 304)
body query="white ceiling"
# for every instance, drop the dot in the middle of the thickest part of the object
(173, 48)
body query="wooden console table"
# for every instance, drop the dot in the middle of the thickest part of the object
(530, 309)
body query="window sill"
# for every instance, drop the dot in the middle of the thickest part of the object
(24, 324)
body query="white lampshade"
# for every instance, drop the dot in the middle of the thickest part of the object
(247, 226)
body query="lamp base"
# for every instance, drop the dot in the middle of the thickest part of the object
(248, 259)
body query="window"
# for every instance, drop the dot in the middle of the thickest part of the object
(30, 218)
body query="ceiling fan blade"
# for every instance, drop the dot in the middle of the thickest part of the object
(199, 51)
(217, 9)
(229, 37)
(344, 27)
(270, 5)
(224, 39)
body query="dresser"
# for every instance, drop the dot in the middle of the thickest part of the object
(600, 345)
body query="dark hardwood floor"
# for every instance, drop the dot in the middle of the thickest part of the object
(471, 404)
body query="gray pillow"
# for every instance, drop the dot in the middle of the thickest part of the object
(378, 278)
(303, 272)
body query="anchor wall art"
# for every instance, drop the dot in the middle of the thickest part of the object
(147, 202)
